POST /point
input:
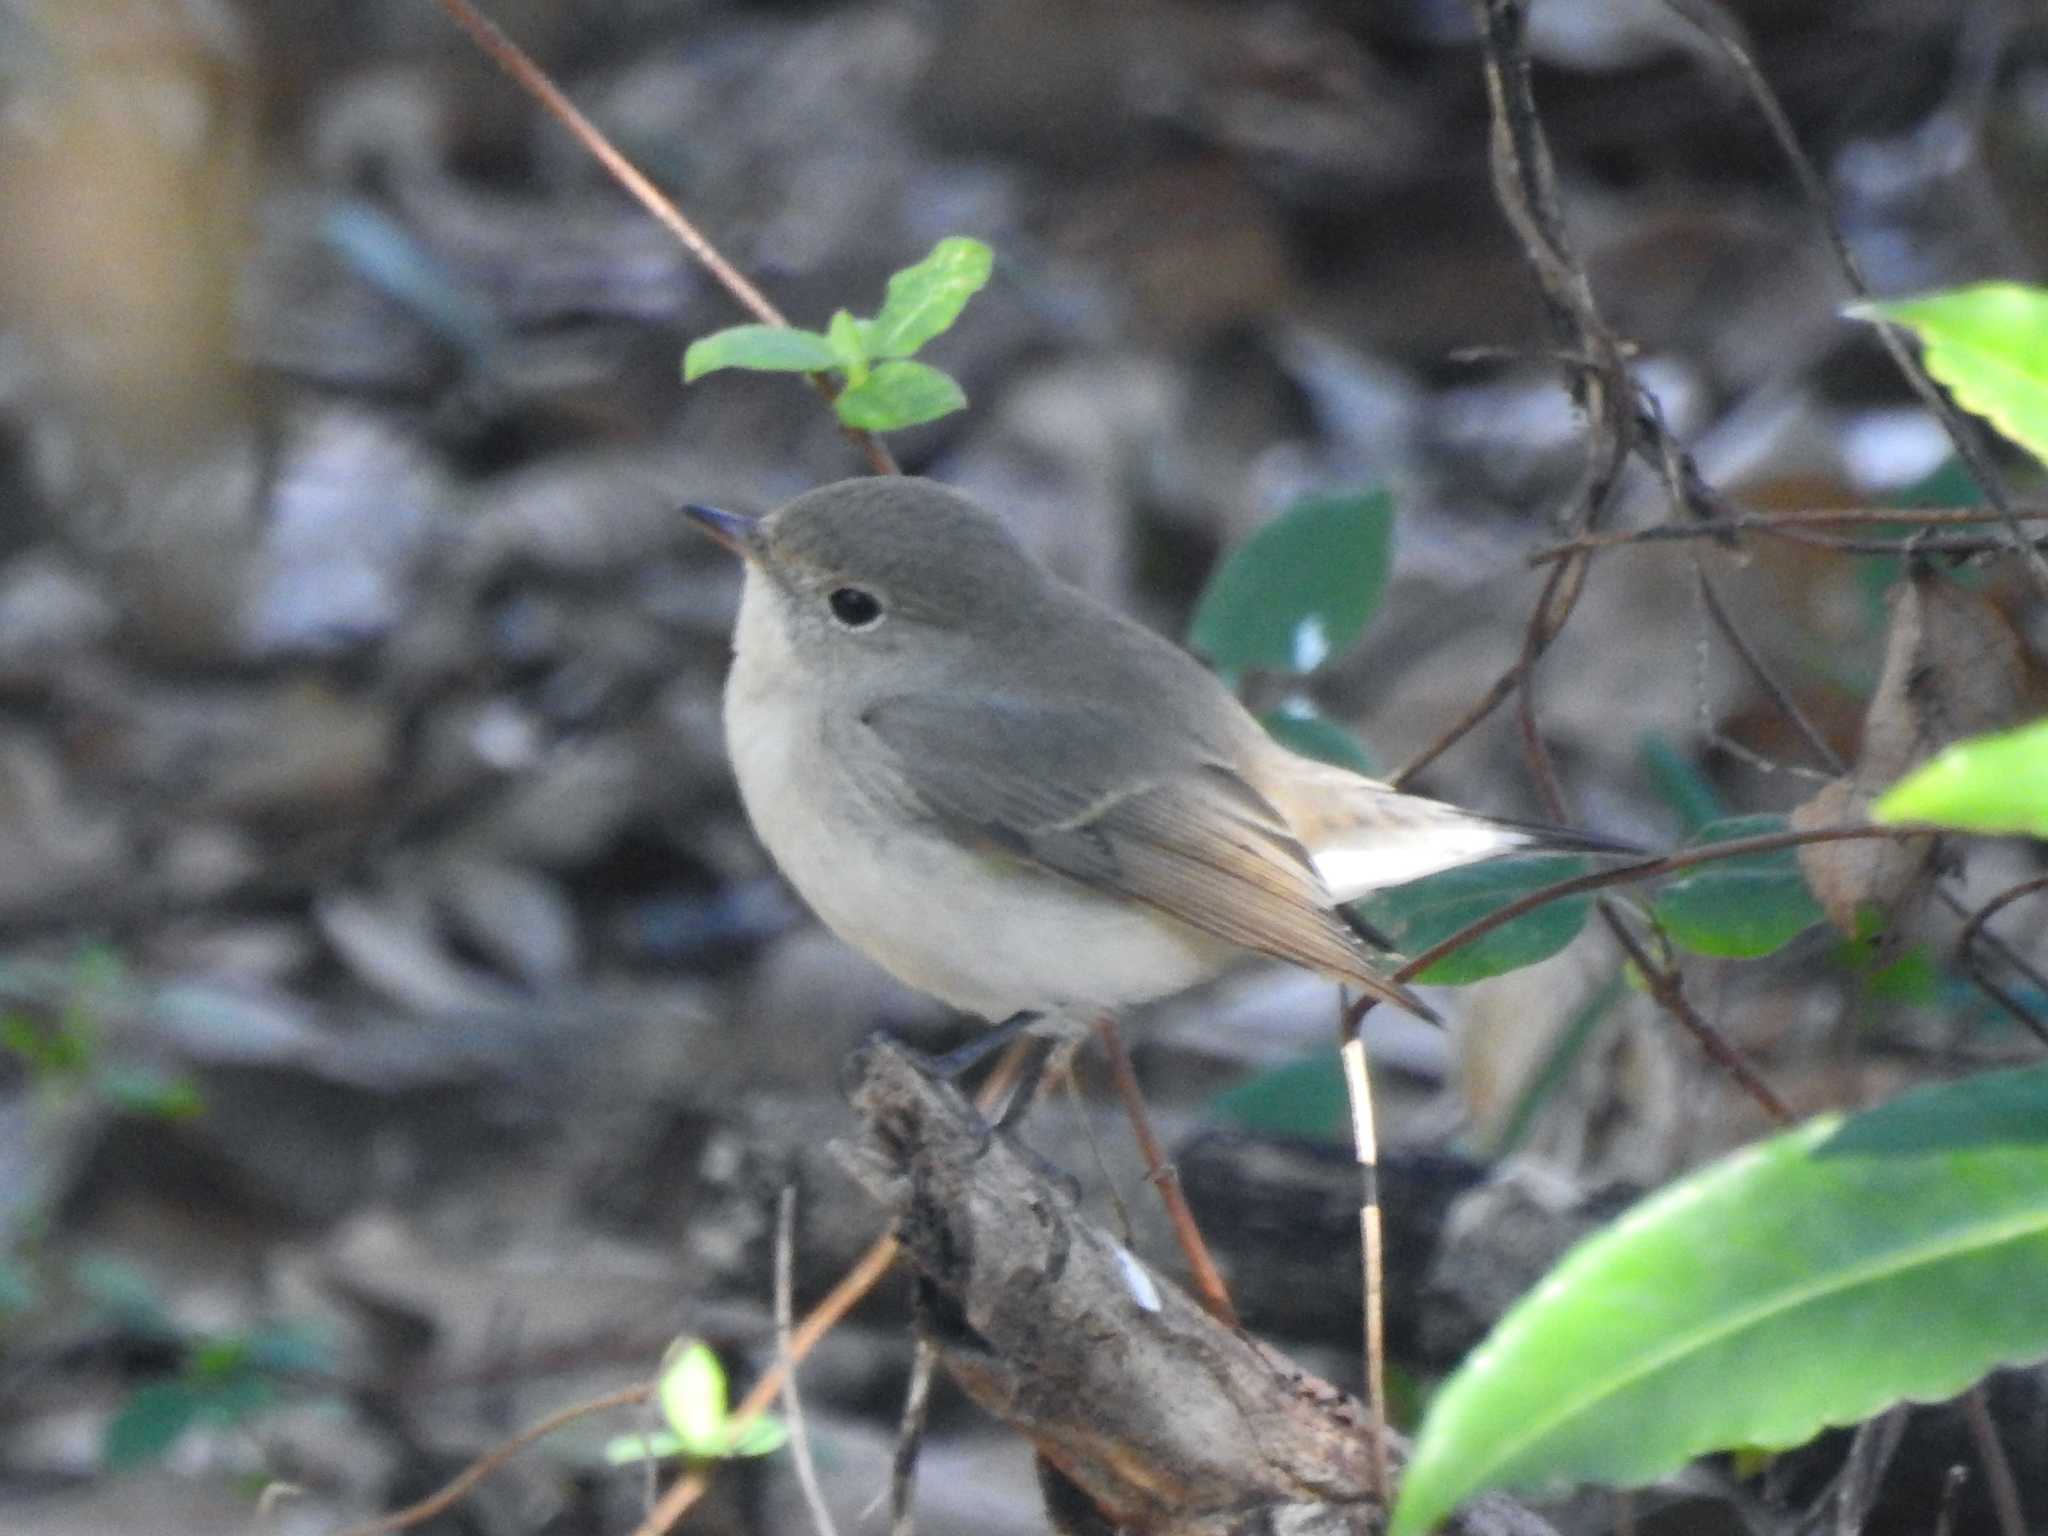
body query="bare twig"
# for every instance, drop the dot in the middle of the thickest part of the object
(1641, 869)
(792, 1404)
(917, 1401)
(515, 61)
(1550, 614)
(1961, 433)
(1817, 744)
(435, 1503)
(1365, 1142)
(1208, 1279)
(851, 1290)
(1999, 1481)
(1975, 932)
(1666, 988)
(1802, 523)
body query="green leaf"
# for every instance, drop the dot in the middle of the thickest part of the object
(1808, 1281)
(899, 395)
(849, 346)
(141, 1091)
(1741, 907)
(763, 1436)
(1301, 589)
(149, 1424)
(1989, 344)
(1427, 911)
(1297, 726)
(1300, 1098)
(1993, 783)
(760, 348)
(624, 1449)
(692, 1396)
(1675, 777)
(926, 299)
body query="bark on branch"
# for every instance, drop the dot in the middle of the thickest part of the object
(1161, 1420)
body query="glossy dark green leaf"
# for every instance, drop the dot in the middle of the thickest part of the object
(1425, 912)
(1300, 729)
(149, 1423)
(759, 348)
(1301, 1098)
(899, 395)
(1808, 1281)
(1742, 907)
(1678, 780)
(1302, 588)
(926, 299)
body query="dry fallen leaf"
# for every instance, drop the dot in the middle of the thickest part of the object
(1952, 668)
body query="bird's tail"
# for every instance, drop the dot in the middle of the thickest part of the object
(1363, 835)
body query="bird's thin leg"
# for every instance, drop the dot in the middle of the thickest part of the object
(1208, 1279)
(963, 1059)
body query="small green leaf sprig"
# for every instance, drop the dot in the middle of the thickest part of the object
(883, 387)
(696, 1422)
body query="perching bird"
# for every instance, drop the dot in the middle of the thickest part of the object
(1019, 801)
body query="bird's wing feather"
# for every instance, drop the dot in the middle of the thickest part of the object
(1071, 788)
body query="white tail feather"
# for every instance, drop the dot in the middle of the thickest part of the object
(1370, 857)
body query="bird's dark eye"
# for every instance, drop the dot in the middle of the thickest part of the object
(853, 607)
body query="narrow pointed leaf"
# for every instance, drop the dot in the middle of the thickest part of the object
(150, 1423)
(1986, 784)
(761, 348)
(1301, 589)
(1989, 344)
(1742, 907)
(1809, 1281)
(1427, 911)
(899, 395)
(926, 299)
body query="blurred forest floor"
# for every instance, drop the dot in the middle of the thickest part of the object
(398, 1012)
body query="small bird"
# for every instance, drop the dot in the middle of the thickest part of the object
(1019, 801)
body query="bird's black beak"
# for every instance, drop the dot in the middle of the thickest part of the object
(735, 530)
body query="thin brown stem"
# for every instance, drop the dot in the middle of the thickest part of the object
(1641, 869)
(1894, 338)
(1666, 988)
(1491, 700)
(1794, 521)
(1816, 743)
(1209, 1287)
(535, 81)
(1999, 1481)
(435, 1503)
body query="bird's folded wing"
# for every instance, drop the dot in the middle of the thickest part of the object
(1067, 787)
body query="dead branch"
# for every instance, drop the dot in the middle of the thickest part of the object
(1147, 1413)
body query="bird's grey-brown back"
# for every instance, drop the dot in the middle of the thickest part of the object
(966, 606)
(1014, 797)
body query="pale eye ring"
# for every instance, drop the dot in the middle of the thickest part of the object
(854, 607)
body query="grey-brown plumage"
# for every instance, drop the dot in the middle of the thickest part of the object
(1016, 799)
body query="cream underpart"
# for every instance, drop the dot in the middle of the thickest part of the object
(979, 930)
